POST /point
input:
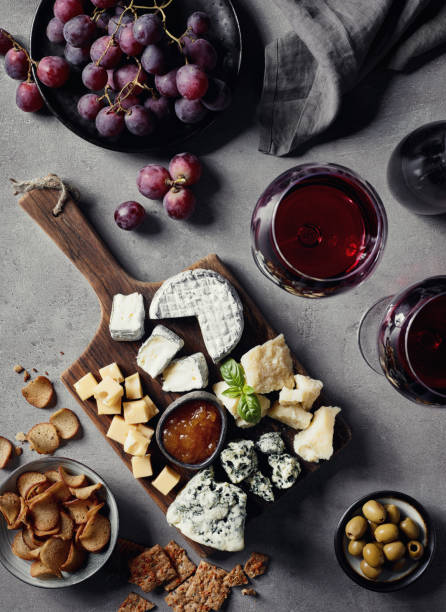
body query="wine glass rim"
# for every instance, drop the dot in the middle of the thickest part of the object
(378, 206)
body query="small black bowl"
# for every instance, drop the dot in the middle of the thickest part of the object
(387, 582)
(194, 395)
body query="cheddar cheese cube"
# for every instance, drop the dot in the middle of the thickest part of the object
(142, 466)
(109, 391)
(166, 480)
(118, 430)
(136, 443)
(133, 387)
(113, 371)
(145, 431)
(139, 411)
(85, 386)
(104, 409)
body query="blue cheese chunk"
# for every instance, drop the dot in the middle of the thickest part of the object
(210, 513)
(260, 485)
(286, 469)
(127, 317)
(239, 459)
(271, 443)
(158, 350)
(187, 373)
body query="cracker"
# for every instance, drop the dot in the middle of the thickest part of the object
(6, 449)
(39, 392)
(96, 533)
(256, 565)
(135, 603)
(201, 592)
(181, 562)
(10, 506)
(252, 592)
(75, 559)
(43, 438)
(27, 480)
(236, 577)
(151, 568)
(66, 423)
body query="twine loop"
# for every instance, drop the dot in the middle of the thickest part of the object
(51, 181)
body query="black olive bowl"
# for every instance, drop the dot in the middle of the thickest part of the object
(388, 581)
(225, 35)
(193, 396)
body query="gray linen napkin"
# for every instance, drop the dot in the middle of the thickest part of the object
(332, 46)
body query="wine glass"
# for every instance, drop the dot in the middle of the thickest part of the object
(318, 229)
(417, 170)
(404, 337)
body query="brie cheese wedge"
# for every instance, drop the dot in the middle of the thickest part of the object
(158, 350)
(127, 317)
(187, 373)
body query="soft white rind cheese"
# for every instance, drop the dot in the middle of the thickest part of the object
(158, 350)
(231, 403)
(187, 373)
(127, 317)
(316, 442)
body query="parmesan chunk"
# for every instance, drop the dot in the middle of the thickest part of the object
(309, 390)
(269, 367)
(292, 415)
(316, 442)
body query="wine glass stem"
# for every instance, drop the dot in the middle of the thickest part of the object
(368, 333)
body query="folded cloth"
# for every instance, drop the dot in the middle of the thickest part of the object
(332, 46)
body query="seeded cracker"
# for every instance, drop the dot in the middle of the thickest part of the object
(135, 603)
(203, 591)
(181, 562)
(236, 577)
(256, 565)
(151, 568)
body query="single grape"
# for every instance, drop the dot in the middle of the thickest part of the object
(127, 73)
(189, 111)
(199, 23)
(114, 29)
(186, 167)
(152, 181)
(77, 55)
(129, 215)
(54, 30)
(109, 123)
(179, 203)
(67, 9)
(16, 64)
(153, 60)
(94, 77)
(111, 81)
(139, 121)
(192, 82)
(89, 106)
(104, 4)
(160, 107)
(166, 84)
(202, 53)
(148, 29)
(128, 101)
(186, 39)
(105, 50)
(79, 31)
(128, 43)
(218, 96)
(102, 21)
(28, 97)
(53, 71)
(5, 42)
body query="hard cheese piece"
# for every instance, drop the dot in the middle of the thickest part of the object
(158, 350)
(108, 391)
(231, 404)
(118, 430)
(239, 460)
(86, 386)
(308, 389)
(316, 442)
(135, 443)
(166, 480)
(145, 431)
(139, 411)
(113, 371)
(103, 408)
(133, 387)
(127, 317)
(269, 367)
(286, 469)
(212, 299)
(142, 466)
(187, 373)
(294, 416)
(210, 513)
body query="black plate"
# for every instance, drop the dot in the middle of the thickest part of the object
(225, 35)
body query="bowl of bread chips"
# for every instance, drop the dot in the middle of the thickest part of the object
(58, 522)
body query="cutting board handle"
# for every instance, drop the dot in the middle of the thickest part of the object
(74, 235)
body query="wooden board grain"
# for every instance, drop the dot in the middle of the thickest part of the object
(81, 244)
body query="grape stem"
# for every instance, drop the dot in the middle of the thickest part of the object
(19, 47)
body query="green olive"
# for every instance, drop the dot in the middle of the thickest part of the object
(373, 555)
(410, 529)
(374, 511)
(399, 565)
(394, 550)
(370, 572)
(355, 547)
(416, 549)
(393, 514)
(388, 532)
(373, 526)
(356, 528)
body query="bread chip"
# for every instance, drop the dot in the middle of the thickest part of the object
(136, 603)
(78, 509)
(66, 423)
(43, 438)
(39, 570)
(10, 506)
(30, 539)
(66, 527)
(44, 513)
(46, 533)
(21, 550)
(6, 449)
(53, 475)
(72, 480)
(96, 533)
(39, 392)
(60, 491)
(85, 492)
(80, 528)
(36, 489)
(54, 553)
(28, 479)
(75, 559)
(21, 517)
(256, 565)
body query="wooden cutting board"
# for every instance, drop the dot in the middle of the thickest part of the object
(81, 244)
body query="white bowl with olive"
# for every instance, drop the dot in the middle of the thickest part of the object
(385, 541)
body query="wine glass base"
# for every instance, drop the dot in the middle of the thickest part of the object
(368, 333)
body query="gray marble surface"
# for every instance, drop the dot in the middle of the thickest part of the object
(47, 307)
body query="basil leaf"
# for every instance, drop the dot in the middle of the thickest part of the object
(232, 373)
(232, 392)
(249, 408)
(248, 390)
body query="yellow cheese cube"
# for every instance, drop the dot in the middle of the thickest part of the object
(153, 410)
(166, 480)
(85, 386)
(133, 387)
(139, 411)
(113, 371)
(142, 466)
(145, 431)
(118, 430)
(109, 391)
(104, 409)
(135, 443)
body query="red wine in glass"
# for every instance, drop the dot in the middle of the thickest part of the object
(318, 229)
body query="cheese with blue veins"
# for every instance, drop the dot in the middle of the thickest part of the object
(239, 460)
(286, 469)
(260, 485)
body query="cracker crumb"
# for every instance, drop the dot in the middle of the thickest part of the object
(236, 577)
(250, 591)
(18, 450)
(18, 368)
(135, 603)
(20, 436)
(26, 376)
(34, 370)
(46, 373)
(256, 565)
(62, 353)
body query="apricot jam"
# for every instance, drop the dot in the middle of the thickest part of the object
(191, 433)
